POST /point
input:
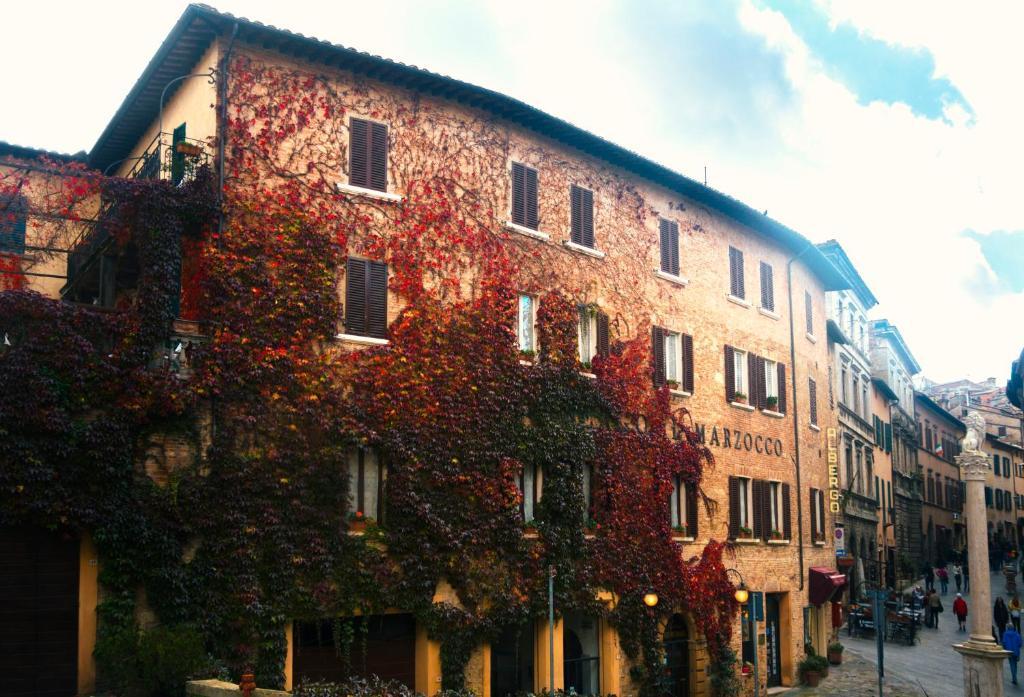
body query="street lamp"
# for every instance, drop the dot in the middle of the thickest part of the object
(742, 595)
(650, 599)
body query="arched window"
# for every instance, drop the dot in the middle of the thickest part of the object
(13, 223)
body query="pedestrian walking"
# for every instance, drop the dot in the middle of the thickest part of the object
(928, 608)
(1011, 642)
(943, 576)
(1015, 612)
(1001, 615)
(960, 610)
(929, 577)
(967, 578)
(936, 605)
(958, 576)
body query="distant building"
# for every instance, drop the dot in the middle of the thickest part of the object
(939, 436)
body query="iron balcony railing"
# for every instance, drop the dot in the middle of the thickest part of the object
(167, 158)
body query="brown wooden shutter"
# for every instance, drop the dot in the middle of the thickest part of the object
(602, 335)
(588, 218)
(359, 153)
(673, 244)
(734, 507)
(757, 504)
(787, 514)
(576, 214)
(377, 300)
(736, 285)
(814, 518)
(821, 511)
(730, 374)
(691, 510)
(767, 287)
(658, 355)
(782, 388)
(518, 194)
(530, 194)
(378, 157)
(665, 230)
(687, 363)
(752, 391)
(812, 396)
(355, 296)
(810, 312)
(760, 378)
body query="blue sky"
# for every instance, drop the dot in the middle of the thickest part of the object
(886, 126)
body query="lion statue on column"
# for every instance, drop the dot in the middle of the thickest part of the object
(975, 423)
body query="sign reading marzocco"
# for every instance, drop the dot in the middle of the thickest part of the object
(737, 439)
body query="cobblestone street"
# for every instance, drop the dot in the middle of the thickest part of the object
(932, 668)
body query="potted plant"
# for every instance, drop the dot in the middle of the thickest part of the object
(527, 354)
(772, 403)
(745, 533)
(835, 653)
(811, 670)
(740, 398)
(189, 149)
(672, 384)
(587, 367)
(357, 521)
(530, 528)
(776, 534)
(679, 530)
(748, 668)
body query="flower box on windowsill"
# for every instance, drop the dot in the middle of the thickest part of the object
(370, 193)
(357, 523)
(529, 232)
(819, 540)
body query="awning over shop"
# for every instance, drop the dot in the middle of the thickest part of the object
(824, 584)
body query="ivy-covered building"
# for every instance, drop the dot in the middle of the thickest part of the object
(417, 344)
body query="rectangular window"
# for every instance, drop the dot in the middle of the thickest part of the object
(366, 298)
(581, 204)
(1006, 467)
(767, 287)
(999, 499)
(13, 224)
(988, 497)
(366, 484)
(775, 515)
(177, 158)
(526, 323)
(741, 508)
(736, 286)
(856, 395)
(810, 313)
(740, 366)
(817, 515)
(669, 233)
(812, 396)
(588, 491)
(531, 486)
(842, 387)
(524, 196)
(745, 505)
(771, 384)
(368, 154)
(673, 358)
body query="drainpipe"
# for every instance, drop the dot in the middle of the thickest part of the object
(796, 417)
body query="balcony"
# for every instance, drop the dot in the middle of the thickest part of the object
(98, 269)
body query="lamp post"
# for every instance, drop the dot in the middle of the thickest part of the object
(982, 656)
(551, 629)
(742, 595)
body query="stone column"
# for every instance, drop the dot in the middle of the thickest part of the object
(983, 657)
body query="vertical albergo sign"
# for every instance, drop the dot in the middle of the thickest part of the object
(831, 443)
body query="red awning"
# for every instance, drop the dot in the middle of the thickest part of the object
(824, 584)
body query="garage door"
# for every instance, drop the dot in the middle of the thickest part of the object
(390, 649)
(38, 613)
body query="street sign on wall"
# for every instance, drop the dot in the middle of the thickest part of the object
(839, 536)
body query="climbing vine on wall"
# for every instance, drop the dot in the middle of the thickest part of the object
(255, 532)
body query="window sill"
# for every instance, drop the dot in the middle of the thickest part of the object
(778, 542)
(588, 375)
(583, 249)
(682, 538)
(769, 313)
(680, 393)
(739, 301)
(529, 232)
(810, 337)
(672, 278)
(370, 193)
(819, 543)
(773, 414)
(523, 361)
(357, 339)
(746, 541)
(815, 427)
(531, 534)
(741, 405)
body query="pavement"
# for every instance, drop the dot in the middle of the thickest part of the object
(931, 668)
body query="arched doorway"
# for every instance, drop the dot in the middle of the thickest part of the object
(677, 658)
